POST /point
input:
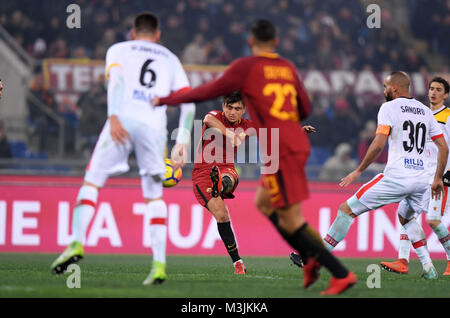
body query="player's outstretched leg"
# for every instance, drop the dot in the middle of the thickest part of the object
(158, 233)
(227, 236)
(82, 216)
(417, 237)
(217, 207)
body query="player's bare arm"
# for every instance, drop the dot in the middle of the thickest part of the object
(118, 133)
(375, 149)
(215, 124)
(438, 186)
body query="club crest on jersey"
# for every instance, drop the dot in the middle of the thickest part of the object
(413, 163)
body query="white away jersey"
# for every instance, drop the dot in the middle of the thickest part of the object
(442, 116)
(409, 124)
(143, 70)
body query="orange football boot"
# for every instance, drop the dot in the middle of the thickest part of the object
(399, 266)
(447, 270)
(310, 272)
(339, 285)
(239, 268)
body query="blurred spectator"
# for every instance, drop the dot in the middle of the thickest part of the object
(196, 52)
(5, 148)
(93, 108)
(320, 121)
(175, 35)
(59, 49)
(343, 126)
(43, 123)
(67, 110)
(339, 165)
(219, 53)
(365, 139)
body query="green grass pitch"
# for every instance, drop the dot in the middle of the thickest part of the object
(121, 276)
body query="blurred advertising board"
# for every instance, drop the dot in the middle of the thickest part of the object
(68, 78)
(36, 216)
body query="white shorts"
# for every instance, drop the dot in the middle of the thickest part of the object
(383, 190)
(433, 208)
(110, 159)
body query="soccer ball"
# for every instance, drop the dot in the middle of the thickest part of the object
(172, 177)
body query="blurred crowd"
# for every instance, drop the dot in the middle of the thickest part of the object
(323, 35)
(315, 34)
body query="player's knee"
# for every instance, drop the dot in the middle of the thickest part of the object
(346, 209)
(90, 184)
(433, 223)
(221, 215)
(263, 207)
(403, 220)
(218, 209)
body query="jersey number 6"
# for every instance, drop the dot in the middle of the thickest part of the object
(144, 70)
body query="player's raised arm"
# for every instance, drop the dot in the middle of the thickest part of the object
(232, 80)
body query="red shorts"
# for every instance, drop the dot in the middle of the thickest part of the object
(289, 184)
(202, 182)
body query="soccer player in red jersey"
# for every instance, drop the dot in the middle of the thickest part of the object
(277, 101)
(214, 177)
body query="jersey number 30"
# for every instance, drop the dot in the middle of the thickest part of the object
(416, 136)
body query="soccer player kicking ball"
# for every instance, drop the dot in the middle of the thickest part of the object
(438, 91)
(407, 124)
(136, 70)
(223, 132)
(277, 102)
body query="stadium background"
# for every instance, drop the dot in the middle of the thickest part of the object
(54, 106)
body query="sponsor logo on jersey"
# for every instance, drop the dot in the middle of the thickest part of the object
(142, 95)
(413, 163)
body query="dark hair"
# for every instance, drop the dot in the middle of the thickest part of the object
(263, 30)
(232, 98)
(146, 22)
(439, 79)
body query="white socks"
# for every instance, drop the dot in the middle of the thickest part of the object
(404, 247)
(158, 229)
(405, 244)
(444, 237)
(417, 237)
(338, 230)
(83, 212)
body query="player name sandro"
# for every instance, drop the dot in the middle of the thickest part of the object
(234, 307)
(413, 110)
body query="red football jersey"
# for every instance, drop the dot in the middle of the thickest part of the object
(206, 151)
(272, 92)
